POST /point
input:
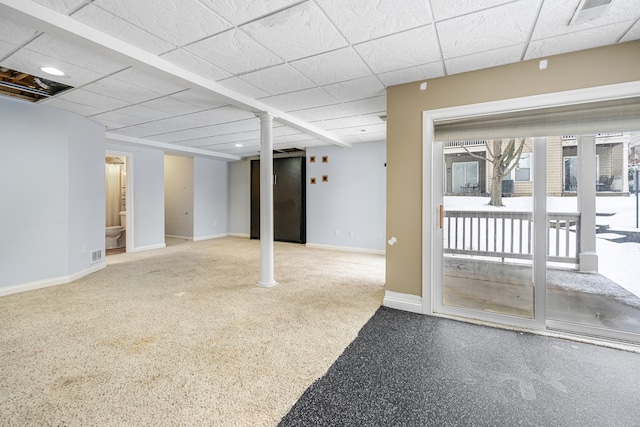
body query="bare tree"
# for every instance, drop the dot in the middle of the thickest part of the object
(504, 159)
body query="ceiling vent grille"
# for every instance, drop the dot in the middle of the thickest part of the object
(588, 10)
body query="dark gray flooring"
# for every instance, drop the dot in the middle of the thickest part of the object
(406, 369)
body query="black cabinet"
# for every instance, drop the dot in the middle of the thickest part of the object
(289, 199)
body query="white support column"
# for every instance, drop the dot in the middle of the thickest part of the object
(266, 201)
(625, 165)
(587, 203)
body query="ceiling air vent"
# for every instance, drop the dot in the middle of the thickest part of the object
(589, 9)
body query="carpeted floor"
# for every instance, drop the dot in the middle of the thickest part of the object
(406, 369)
(182, 336)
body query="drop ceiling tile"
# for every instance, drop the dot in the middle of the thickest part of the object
(115, 120)
(121, 90)
(348, 122)
(191, 62)
(83, 110)
(6, 48)
(297, 32)
(181, 135)
(288, 139)
(377, 104)
(322, 68)
(324, 113)
(155, 128)
(30, 62)
(372, 137)
(402, 50)
(412, 74)
(74, 54)
(200, 98)
(224, 139)
(61, 6)
(241, 11)
(279, 79)
(243, 125)
(244, 88)
(352, 90)
(556, 14)
(145, 114)
(489, 29)
(159, 18)
(117, 27)
(585, 39)
(13, 33)
(308, 98)
(235, 52)
(365, 20)
(361, 130)
(84, 97)
(633, 34)
(445, 9)
(171, 105)
(148, 81)
(489, 59)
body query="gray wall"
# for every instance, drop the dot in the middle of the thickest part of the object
(52, 185)
(210, 198)
(352, 201)
(240, 198)
(178, 196)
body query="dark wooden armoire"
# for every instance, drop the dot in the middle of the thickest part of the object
(289, 199)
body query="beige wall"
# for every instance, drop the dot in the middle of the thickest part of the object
(405, 104)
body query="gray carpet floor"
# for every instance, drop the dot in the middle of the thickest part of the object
(406, 369)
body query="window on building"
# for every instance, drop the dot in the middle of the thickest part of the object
(522, 172)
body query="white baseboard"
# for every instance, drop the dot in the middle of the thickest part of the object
(212, 236)
(61, 280)
(346, 249)
(400, 301)
(244, 235)
(148, 248)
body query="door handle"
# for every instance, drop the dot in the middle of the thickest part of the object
(441, 217)
(275, 180)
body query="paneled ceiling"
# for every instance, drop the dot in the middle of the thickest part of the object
(193, 74)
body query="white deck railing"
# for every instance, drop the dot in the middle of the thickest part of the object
(508, 235)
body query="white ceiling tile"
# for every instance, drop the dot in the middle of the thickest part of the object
(153, 128)
(556, 14)
(117, 27)
(361, 130)
(322, 68)
(243, 125)
(83, 110)
(372, 136)
(633, 34)
(488, 59)
(84, 97)
(308, 98)
(241, 11)
(159, 18)
(585, 39)
(181, 135)
(6, 48)
(74, 54)
(445, 9)
(402, 50)
(293, 138)
(297, 32)
(365, 20)
(115, 120)
(235, 52)
(14, 33)
(490, 29)
(172, 105)
(369, 105)
(148, 81)
(30, 62)
(144, 113)
(191, 62)
(324, 113)
(244, 88)
(279, 79)
(224, 139)
(200, 98)
(352, 90)
(349, 122)
(119, 89)
(412, 74)
(61, 6)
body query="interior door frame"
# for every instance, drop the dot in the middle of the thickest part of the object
(432, 175)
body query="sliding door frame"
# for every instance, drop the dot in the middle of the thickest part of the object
(432, 198)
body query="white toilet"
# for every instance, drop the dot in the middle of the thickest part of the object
(116, 234)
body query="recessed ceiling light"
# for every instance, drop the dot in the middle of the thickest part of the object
(52, 70)
(239, 145)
